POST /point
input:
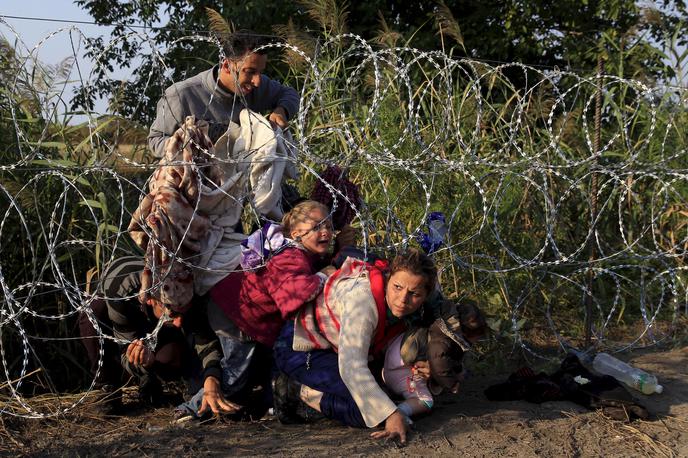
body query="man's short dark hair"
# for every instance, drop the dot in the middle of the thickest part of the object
(244, 41)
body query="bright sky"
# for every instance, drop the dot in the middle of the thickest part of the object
(59, 46)
(31, 32)
(56, 48)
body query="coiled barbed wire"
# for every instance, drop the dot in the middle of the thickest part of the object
(505, 151)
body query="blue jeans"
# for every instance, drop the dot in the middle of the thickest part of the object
(318, 369)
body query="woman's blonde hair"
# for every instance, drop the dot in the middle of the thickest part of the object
(300, 214)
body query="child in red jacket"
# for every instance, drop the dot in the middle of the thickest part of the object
(269, 295)
(248, 308)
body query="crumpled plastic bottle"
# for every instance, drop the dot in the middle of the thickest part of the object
(633, 377)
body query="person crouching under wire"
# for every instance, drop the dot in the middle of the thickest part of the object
(161, 343)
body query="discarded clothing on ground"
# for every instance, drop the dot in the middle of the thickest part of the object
(601, 392)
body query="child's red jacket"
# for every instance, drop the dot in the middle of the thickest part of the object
(259, 302)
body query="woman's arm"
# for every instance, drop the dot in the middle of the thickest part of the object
(358, 324)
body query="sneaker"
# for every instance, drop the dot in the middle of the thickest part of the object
(289, 408)
(285, 393)
(308, 414)
(183, 416)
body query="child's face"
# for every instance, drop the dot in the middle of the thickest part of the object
(446, 359)
(315, 233)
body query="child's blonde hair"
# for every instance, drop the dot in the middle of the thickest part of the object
(300, 214)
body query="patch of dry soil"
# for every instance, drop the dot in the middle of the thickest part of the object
(463, 425)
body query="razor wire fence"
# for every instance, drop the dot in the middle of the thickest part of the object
(506, 154)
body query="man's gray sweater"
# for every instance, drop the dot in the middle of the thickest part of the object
(202, 96)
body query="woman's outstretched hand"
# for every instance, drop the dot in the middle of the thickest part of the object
(395, 428)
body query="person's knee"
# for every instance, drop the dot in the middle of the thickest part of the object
(288, 361)
(342, 409)
(169, 359)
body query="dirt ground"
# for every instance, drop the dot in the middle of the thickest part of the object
(463, 425)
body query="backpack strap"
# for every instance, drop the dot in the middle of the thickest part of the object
(383, 333)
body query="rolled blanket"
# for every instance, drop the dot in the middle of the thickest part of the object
(256, 160)
(186, 224)
(167, 224)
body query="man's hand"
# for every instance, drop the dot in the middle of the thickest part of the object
(214, 400)
(422, 368)
(139, 355)
(395, 428)
(278, 118)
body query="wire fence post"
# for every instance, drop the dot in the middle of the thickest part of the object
(593, 201)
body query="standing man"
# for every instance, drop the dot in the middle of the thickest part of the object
(218, 95)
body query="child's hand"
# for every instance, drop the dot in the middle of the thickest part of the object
(214, 400)
(422, 369)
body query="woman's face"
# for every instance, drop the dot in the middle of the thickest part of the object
(405, 292)
(316, 232)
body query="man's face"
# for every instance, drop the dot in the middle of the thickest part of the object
(242, 75)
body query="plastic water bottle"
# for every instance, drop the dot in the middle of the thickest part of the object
(631, 376)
